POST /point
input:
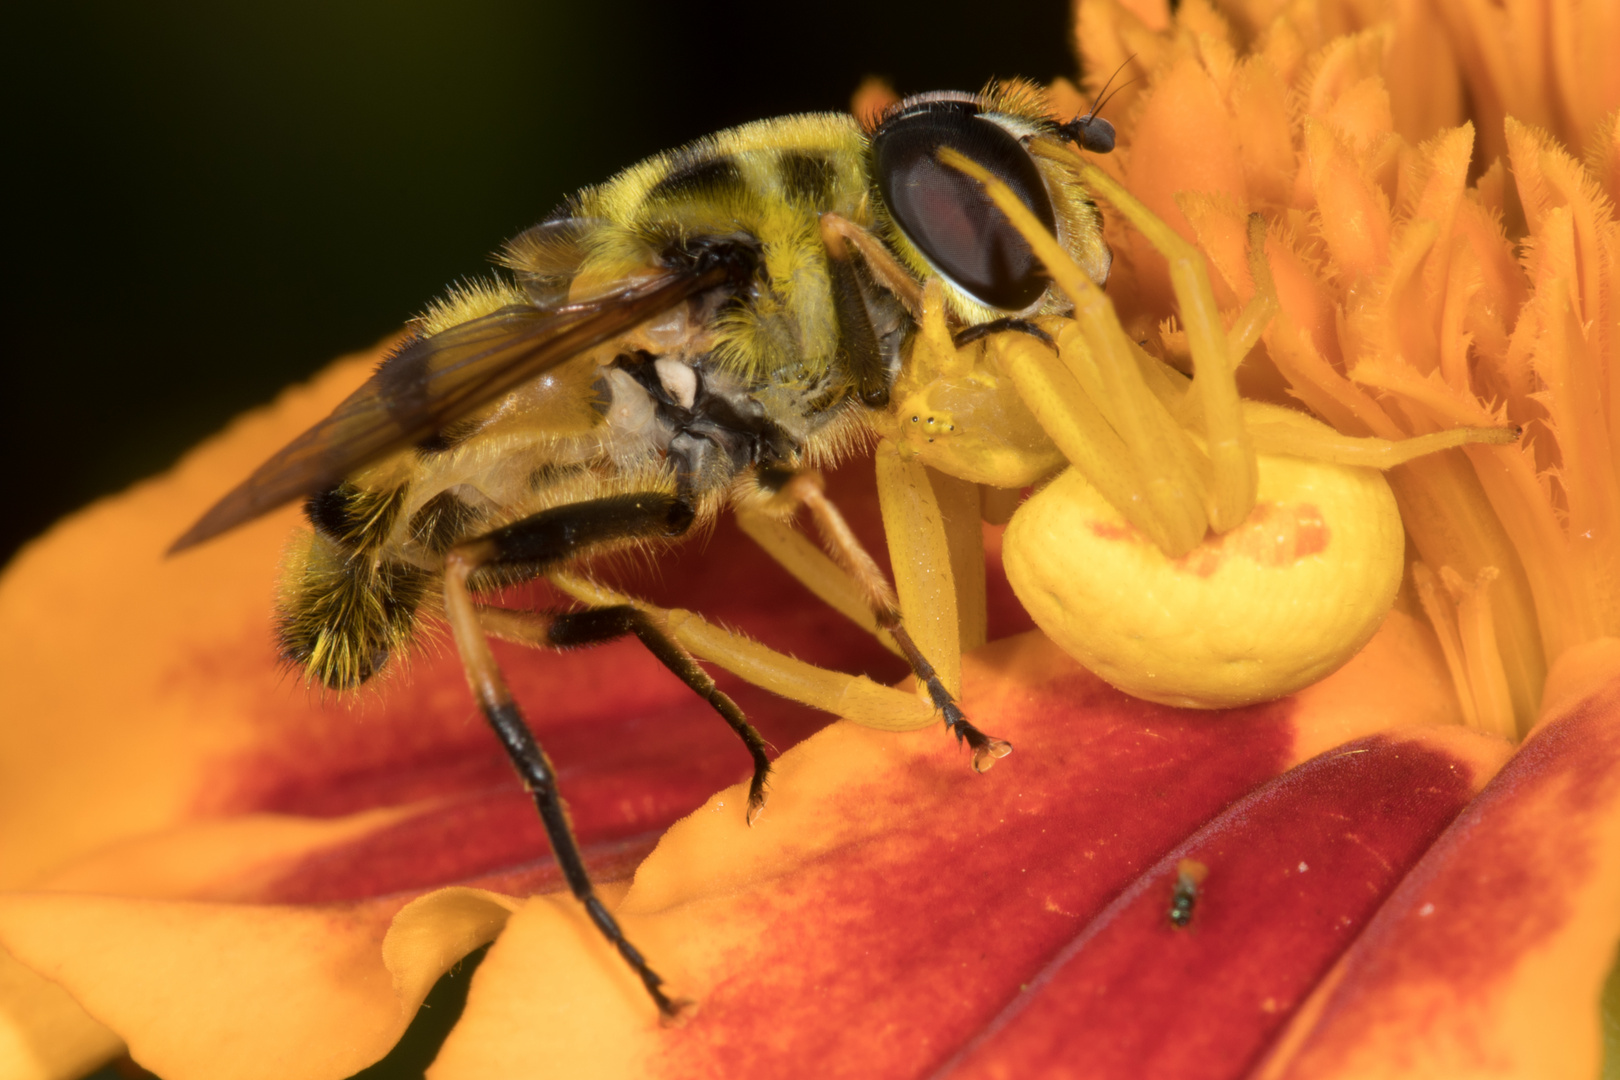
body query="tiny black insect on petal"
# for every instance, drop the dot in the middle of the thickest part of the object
(1190, 874)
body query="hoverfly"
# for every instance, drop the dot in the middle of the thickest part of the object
(703, 330)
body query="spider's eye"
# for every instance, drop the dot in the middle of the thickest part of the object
(947, 215)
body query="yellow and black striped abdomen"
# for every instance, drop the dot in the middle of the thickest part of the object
(344, 607)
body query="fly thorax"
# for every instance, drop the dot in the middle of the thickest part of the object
(702, 419)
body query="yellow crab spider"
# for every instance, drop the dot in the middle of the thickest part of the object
(1197, 550)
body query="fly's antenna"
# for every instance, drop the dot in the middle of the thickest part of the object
(1092, 132)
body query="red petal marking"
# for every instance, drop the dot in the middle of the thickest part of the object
(890, 904)
(1295, 869)
(1490, 955)
(494, 841)
(953, 889)
(987, 881)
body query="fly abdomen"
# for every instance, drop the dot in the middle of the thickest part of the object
(343, 609)
(441, 522)
(355, 518)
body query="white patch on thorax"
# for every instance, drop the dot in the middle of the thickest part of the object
(679, 379)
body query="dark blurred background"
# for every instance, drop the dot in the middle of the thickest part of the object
(213, 200)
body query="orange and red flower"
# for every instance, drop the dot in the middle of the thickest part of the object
(1414, 866)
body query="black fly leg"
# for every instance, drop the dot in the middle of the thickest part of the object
(567, 630)
(805, 489)
(986, 748)
(536, 542)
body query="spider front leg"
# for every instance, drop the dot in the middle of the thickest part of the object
(1098, 404)
(1231, 453)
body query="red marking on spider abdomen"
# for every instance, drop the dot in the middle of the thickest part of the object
(1276, 535)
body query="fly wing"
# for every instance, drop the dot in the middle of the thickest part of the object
(432, 381)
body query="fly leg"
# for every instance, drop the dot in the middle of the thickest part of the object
(786, 492)
(853, 697)
(854, 281)
(597, 626)
(534, 543)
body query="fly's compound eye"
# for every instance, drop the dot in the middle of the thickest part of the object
(947, 215)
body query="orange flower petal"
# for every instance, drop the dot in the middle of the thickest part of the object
(1296, 868)
(1425, 85)
(1183, 119)
(44, 1033)
(1221, 227)
(1259, 101)
(245, 991)
(220, 990)
(1490, 957)
(1603, 155)
(1360, 114)
(1305, 298)
(95, 597)
(1346, 61)
(890, 904)
(1112, 37)
(1353, 211)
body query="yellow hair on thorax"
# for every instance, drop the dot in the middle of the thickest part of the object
(790, 330)
(465, 301)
